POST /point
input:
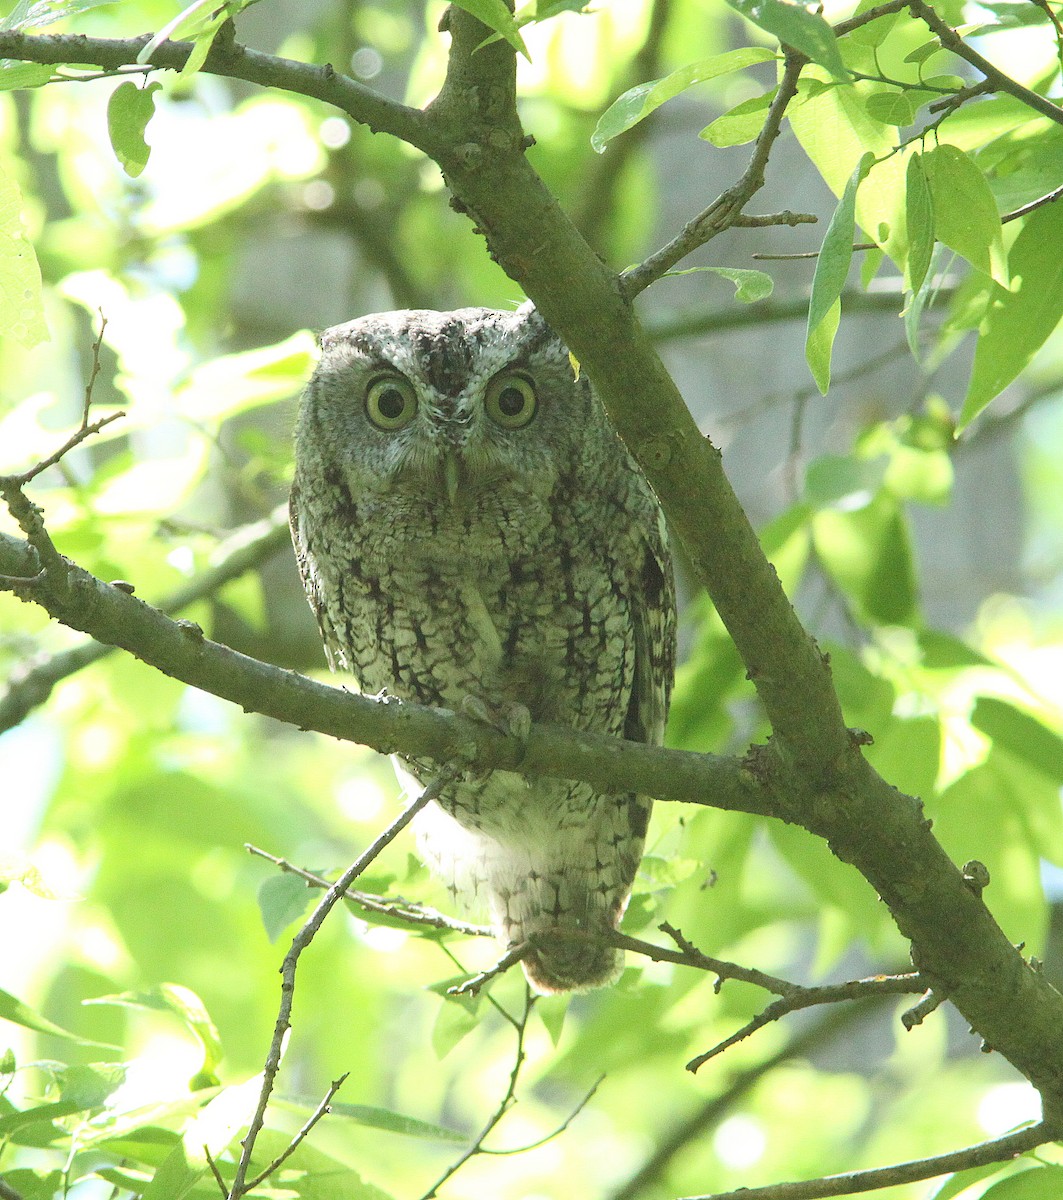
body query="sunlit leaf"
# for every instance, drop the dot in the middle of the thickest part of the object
(832, 268)
(21, 303)
(919, 216)
(22, 75)
(894, 107)
(210, 1132)
(184, 1004)
(834, 477)
(640, 101)
(1021, 320)
(1043, 1182)
(12, 1009)
(35, 14)
(380, 1118)
(282, 899)
(740, 124)
(750, 285)
(794, 25)
(1021, 734)
(128, 113)
(497, 16)
(965, 213)
(868, 552)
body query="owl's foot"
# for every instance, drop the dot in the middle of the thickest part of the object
(512, 719)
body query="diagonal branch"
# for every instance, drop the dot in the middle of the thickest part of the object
(726, 209)
(1000, 82)
(243, 551)
(999, 1150)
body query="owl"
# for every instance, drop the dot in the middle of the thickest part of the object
(472, 534)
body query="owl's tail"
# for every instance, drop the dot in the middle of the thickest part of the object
(570, 961)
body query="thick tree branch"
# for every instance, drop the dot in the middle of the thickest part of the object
(180, 650)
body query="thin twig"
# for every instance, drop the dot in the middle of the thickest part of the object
(299, 943)
(999, 1150)
(402, 910)
(807, 253)
(319, 1112)
(504, 1105)
(835, 993)
(689, 956)
(723, 212)
(556, 1132)
(474, 983)
(222, 1185)
(1048, 198)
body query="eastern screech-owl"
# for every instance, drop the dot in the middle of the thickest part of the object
(469, 527)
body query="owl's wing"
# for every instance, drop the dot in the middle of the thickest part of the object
(308, 572)
(653, 614)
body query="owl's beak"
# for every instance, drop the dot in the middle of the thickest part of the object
(451, 474)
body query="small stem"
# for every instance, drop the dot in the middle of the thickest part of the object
(299, 943)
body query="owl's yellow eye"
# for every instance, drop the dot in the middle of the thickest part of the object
(510, 400)
(391, 402)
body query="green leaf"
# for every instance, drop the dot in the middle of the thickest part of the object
(869, 553)
(835, 131)
(740, 124)
(184, 1004)
(1035, 1183)
(35, 14)
(965, 213)
(128, 113)
(22, 75)
(21, 300)
(819, 343)
(282, 899)
(380, 1118)
(1021, 320)
(34, 1185)
(835, 477)
(832, 267)
(1021, 734)
(495, 15)
(893, 107)
(919, 218)
(12, 1009)
(637, 103)
(750, 285)
(875, 32)
(943, 652)
(794, 25)
(210, 1132)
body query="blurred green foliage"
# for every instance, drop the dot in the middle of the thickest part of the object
(141, 942)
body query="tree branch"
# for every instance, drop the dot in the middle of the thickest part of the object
(1000, 82)
(726, 209)
(999, 1150)
(234, 61)
(243, 551)
(180, 649)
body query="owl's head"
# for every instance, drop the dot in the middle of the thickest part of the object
(446, 406)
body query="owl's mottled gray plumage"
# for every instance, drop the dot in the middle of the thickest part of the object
(469, 527)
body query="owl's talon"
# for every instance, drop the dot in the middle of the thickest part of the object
(512, 719)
